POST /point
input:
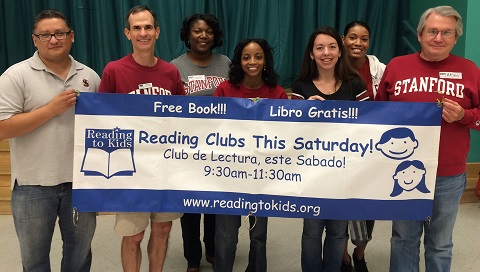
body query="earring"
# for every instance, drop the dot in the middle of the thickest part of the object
(265, 68)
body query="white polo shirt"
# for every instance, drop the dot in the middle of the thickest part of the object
(45, 155)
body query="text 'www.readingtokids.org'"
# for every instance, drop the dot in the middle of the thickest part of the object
(252, 207)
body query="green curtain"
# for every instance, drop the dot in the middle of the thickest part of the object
(286, 24)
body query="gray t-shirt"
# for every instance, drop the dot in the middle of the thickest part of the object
(45, 155)
(202, 80)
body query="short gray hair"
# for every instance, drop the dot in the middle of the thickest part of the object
(445, 11)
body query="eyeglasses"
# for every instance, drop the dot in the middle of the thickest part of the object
(48, 37)
(432, 33)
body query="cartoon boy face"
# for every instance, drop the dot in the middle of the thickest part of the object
(397, 143)
(398, 148)
(409, 178)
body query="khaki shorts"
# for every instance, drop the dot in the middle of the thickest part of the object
(131, 223)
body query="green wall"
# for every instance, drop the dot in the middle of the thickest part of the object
(467, 45)
(286, 24)
(472, 43)
(418, 7)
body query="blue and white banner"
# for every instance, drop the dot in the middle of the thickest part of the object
(268, 157)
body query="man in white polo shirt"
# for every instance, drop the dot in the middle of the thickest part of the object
(37, 97)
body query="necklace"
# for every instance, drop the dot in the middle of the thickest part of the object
(329, 88)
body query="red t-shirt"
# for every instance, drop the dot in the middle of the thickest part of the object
(127, 76)
(226, 89)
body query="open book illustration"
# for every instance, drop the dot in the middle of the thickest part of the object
(118, 162)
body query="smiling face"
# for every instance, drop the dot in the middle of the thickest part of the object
(437, 48)
(357, 42)
(398, 148)
(253, 60)
(409, 178)
(53, 50)
(201, 37)
(142, 32)
(325, 52)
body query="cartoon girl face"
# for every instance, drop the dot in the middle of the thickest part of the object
(397, 143)
(409, 178)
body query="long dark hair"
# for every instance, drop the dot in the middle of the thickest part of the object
(211, 21)
(343, 69)
(236, 74)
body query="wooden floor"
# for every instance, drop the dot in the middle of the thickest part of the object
(283, 246)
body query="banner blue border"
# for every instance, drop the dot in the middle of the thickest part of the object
(281, 111)
(118, 200)
(412, 113)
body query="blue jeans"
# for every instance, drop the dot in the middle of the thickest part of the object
(335, 237)
(35, 210)
(405, 242)
(226, 239)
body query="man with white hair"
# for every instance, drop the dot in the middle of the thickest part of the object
(435, 75)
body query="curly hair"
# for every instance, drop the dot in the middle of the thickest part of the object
(211, 21)
(236, 74)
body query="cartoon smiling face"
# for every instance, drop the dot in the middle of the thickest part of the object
(409, 178)
(397, 143)
(398, 148)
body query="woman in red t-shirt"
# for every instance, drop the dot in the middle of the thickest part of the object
(251, 76)
(356, 39)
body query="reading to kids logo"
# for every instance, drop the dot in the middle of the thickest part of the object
(108, 152)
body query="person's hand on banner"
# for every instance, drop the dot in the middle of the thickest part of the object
(316, 97)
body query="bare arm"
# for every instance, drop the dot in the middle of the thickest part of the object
(23, 123)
